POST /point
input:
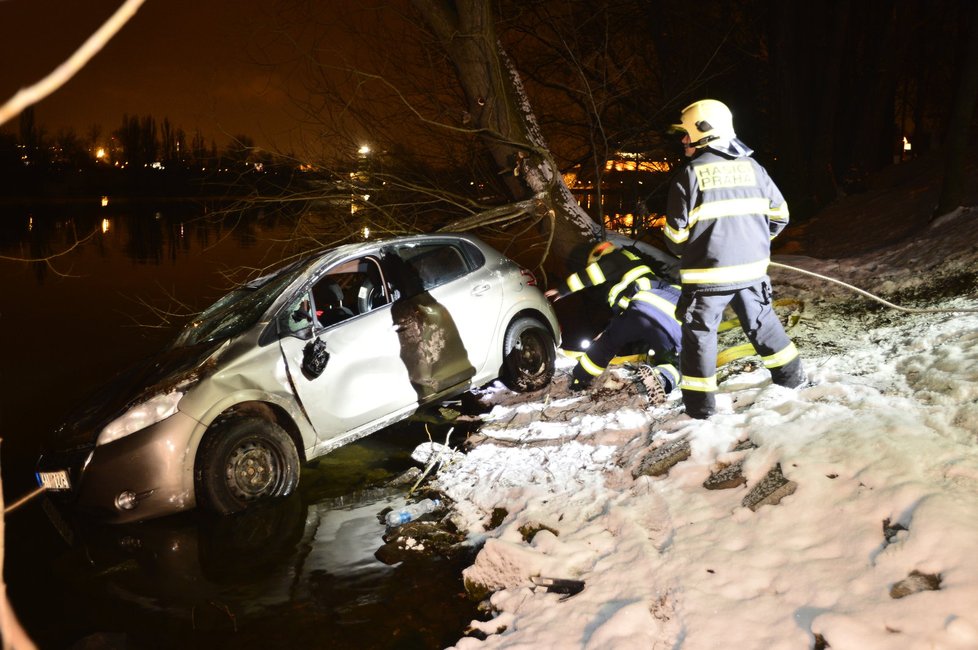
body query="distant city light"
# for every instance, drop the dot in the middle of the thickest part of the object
(363, 150)
(105, 201)
(106, 224)
(366, 232)
(100, 153)
(641, 166)
(906, 144)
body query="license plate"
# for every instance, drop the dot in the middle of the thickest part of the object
(54, 480)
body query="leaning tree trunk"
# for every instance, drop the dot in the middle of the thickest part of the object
(499, 113)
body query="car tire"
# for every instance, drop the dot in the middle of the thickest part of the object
(243, 461)
(529, 355)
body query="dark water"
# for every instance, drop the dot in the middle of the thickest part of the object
(301, 573)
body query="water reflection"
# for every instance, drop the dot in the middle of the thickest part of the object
(300, 574)
(50, 236)
(296, 573)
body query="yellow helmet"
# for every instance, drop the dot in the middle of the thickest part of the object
(706, 121)
(600, 250)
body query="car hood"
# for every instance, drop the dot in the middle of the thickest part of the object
(158, 374)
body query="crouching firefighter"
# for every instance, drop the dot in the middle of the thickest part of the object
(644, 309)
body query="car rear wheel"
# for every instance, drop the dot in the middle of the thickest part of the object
(243, 461)
(529, 355)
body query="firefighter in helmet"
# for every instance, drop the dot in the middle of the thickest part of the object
(723, 210)
(644, 311)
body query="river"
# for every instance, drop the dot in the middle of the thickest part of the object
(301, 573)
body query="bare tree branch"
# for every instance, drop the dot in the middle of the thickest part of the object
(49, 259)
(35, 93)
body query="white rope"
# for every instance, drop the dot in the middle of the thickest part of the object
(910, 310)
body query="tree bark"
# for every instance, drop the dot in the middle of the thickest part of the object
(499, 113)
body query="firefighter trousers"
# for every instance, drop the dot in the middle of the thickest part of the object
(701, 312)
(659, 332)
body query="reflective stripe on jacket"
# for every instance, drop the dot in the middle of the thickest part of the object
(722, 213)
(630, 279)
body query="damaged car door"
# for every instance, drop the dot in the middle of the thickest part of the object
(447, 312)
(341, 352)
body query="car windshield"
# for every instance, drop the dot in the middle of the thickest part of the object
(239, 309)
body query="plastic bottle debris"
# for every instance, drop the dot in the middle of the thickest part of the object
(564, 586)
(411, 512)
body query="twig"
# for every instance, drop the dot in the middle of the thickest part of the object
(432, 462)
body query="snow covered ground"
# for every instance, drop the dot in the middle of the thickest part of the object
(882, 449)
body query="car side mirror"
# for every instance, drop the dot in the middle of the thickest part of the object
(314, 358)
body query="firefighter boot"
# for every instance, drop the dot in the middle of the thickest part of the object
(654, 385)
(790, 375)
(580, 379)
(699, 404)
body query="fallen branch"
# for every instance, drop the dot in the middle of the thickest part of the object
(32, 94)
(14, 636)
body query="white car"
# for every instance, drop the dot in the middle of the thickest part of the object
(296, 364)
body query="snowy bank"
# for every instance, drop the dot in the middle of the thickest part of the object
(874, 548)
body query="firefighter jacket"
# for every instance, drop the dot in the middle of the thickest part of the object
(722, 214)
(630, 281)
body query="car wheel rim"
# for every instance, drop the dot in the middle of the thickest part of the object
(252, 471)
(532, 354)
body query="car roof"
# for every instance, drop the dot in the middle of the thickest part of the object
(360, 248)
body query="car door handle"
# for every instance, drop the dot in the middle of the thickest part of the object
(480, 289)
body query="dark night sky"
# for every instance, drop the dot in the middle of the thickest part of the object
(189, 60)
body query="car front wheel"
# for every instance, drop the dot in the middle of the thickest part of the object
(243, 461)
(529, 355)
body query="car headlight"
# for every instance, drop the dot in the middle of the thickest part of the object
(141, 416)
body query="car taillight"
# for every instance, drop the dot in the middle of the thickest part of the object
(528, 278)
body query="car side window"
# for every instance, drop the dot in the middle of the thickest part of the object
(371, 285)
(349, 289)
(434, 264)
(329, 301)
(297, 318)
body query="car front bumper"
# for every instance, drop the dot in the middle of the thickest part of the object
(144, 475)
